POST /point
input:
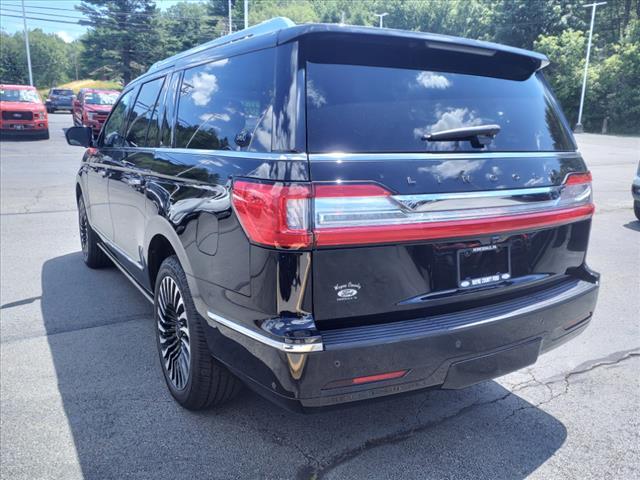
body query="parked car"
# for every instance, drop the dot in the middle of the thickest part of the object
(59, 99)
(91, 107)
(334, 213)
(22, 112)
(635, 191)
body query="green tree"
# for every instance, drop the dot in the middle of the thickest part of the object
(567, 54)
(11, 69)
(49, 58)
(615, 91)
(300, 11)
(185, 25)
(125, 38)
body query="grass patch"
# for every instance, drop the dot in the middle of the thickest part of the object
(78, 84)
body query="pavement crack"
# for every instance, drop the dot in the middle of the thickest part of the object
(586, 367)
(308, 472)
(325, 467)
(36, 212)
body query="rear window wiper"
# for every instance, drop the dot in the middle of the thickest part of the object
(479, 135)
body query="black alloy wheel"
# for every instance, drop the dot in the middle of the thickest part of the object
(194, 378)
(173, 332)
(92, 255)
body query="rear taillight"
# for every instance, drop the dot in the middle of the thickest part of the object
(274, 214)
(301, 215)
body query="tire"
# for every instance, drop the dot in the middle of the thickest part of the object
(194, 378)
(636, 208)
(92, 255)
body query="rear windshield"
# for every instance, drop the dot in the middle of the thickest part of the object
(367, 109)
(57, 91)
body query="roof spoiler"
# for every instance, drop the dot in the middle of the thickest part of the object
(268, 26)
(390, 47)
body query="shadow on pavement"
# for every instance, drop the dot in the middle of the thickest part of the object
(633, 225)
(7, 137)
(126, 425)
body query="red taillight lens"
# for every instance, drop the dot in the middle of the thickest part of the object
(281, 216)
(578, 178)
(274, 214)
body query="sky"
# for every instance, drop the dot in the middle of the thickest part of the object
(60, 11)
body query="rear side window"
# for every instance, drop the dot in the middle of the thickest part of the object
(367, 109)
(142, 112)
(112, 131)
(227, 104)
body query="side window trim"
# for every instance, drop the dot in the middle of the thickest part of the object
(106, 122)
(134, 103)
(169, 115)
(158, 110)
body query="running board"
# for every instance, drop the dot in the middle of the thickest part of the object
(106, 251)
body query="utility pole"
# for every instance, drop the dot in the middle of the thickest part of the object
(26, 42)
(230, 24)
(578, 128)
(381, 16)
(246, 13)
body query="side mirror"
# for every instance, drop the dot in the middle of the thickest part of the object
(79, 136)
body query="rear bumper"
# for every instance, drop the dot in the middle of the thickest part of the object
(60, 106)
(448, 351)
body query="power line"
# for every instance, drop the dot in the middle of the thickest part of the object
(41, 19)
(106, 19)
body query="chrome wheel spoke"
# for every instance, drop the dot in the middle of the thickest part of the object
(173, 332)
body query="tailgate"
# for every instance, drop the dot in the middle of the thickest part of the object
(371, 281)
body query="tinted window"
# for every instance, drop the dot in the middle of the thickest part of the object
(142, 112)
(226, 105)
(356, 108)
(112, 131)
(62, 92)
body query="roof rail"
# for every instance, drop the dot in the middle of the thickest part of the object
(268, 26)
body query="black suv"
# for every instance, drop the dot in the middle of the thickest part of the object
(59, 99)
(333, 213)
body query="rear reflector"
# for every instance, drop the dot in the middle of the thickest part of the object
(349, 382)
(302, 215)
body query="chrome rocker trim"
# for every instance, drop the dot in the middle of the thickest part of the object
(281, 345)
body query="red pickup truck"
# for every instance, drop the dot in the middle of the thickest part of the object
(91, 107)
(22, 112)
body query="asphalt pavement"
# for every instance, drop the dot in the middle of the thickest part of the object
(82, 394)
